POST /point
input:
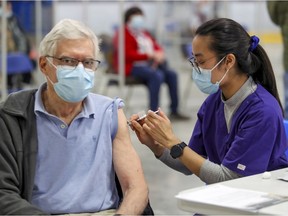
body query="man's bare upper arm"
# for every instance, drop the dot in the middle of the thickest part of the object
(126, 161)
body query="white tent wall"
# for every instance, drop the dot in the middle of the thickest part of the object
(252, 14)
(165, 19)
(103, 16)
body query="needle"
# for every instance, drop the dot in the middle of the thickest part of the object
(141, 115)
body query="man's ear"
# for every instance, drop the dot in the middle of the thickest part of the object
(43, 64)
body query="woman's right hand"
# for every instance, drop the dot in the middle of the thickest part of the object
(144, 137)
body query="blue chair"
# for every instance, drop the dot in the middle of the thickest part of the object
(286, 130)
(17, 64)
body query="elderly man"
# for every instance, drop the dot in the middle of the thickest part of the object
(62, 146)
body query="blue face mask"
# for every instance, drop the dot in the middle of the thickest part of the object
(203, 79)
(7, 13)
(137, 22)
(74, 84)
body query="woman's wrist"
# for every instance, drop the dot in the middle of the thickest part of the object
(173, 142)
(154, 147)
(157, 150)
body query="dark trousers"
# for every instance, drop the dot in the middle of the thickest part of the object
(154, 78)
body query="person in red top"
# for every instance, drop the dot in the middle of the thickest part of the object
(145, 59)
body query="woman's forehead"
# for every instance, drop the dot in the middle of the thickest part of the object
(200, 45)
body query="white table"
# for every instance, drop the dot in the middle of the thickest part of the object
(255, 183)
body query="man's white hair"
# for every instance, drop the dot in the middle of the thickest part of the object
(67, 29)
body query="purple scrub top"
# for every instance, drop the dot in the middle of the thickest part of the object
(256, 141)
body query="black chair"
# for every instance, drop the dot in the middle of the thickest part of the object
(112, 76)
(147, 211)
(113, 79)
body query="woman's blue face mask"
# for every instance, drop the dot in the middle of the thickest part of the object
(137, 22)
(203, 79)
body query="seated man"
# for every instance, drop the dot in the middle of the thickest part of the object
(144, 59)
(62, 146)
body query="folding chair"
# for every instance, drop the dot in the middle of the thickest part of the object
(112, 77)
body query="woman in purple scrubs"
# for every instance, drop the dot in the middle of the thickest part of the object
(239, 130)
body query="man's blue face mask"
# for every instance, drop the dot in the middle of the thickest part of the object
(73, 84)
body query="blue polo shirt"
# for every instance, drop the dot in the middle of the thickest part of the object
(74, 170)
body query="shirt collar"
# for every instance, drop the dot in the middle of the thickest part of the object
(246, 89)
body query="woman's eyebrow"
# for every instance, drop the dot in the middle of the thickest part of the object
(197, 54)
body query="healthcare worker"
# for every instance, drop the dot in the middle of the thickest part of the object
(239, 130)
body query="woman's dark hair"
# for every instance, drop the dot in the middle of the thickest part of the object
(228, 36)
(132, 11)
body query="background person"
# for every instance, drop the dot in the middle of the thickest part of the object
(145, 60)
(235, 70)
(278, 11)
(17, 41)
(61, 146)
